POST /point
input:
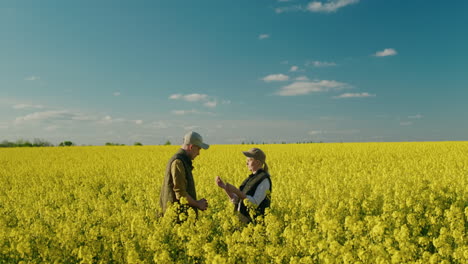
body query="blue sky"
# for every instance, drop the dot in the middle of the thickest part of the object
(234, 71)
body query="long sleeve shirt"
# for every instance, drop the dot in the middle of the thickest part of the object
(179, 179)
(258, 197)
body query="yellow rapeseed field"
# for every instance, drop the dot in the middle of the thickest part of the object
(331, 203)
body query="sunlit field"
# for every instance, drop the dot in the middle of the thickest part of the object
(331, 203)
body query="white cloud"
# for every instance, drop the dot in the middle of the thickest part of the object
(159, 125)
(211, 104)
(64, 118)
(406, 123)
(138, 122)
(26, 106)
(83, 117)
(334, 132)
(385, 53)
(300, 88)
(294, 68)
(315, 132)
(330, 6)
(354, 95)
(55, 115)
(285, 9)
(50, 115)
(321, 64)
(275, 78)
(302, 78)
(184, 112)
(208, 101)
(51, 128)
(418, 116)
(116, 94)
(32, 78)
(345, 132)
(193, 111)
(195, 97)
(263, 36)
(175, 96)
(110, 120)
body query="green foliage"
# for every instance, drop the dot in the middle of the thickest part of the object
(26, 143)
(168, 143)
(7, 144)
(137, 144)
(114, 144)
(66, 144)
(41, 143)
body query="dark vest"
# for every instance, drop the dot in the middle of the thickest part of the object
(249, 186)
(168, 196)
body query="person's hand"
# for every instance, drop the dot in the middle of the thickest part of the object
(202, 204)
(220, 182)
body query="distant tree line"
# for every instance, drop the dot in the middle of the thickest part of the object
(25, 143)
(66, 144)
(113, 144)
(118, 144)
(282, 142)
(43, 143)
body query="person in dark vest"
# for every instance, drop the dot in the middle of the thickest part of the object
(254, 194)
(178, 181)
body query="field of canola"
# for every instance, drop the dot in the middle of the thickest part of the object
(331, 203)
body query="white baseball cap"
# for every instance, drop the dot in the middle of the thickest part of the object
(193, 138)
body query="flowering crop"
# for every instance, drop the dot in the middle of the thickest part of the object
(331, 203)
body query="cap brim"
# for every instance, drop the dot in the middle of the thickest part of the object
(248, 154)
(204, 146)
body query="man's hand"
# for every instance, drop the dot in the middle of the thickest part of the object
(202, 204)
(220, 182)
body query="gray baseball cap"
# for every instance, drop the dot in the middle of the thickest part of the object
(255, 153)
(194, 138)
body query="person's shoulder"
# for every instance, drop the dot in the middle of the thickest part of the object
(265, 183)
(264, 173)
(182, 155)
(177, 161)
(266, 177)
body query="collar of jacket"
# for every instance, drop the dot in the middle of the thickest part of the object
(183, 154)
(256, 173)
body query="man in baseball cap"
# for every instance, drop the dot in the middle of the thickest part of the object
(179, 185)
(194, 138)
